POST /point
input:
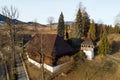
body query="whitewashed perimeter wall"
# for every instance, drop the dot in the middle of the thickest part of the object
(34, 62)
(49, 68)
(55, 68)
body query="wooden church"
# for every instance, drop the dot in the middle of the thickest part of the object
(51, 48)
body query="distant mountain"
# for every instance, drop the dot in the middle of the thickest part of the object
(35, 23)
(32, 23)
(69, 23)
(66, 22)
(3, 18)
(1, 22)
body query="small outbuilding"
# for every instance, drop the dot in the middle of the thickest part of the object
(88, 48)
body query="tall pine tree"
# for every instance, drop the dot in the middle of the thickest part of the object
(85, 23)
(104, 44)
(92, 31)
(77, 33)
(117, 28)
(60, 28)
(78, 25)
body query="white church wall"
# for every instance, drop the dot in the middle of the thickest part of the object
(49, 68)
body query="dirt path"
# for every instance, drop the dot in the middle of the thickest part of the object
(21, 75)
(2, 71)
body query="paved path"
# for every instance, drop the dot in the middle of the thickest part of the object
(21, 75)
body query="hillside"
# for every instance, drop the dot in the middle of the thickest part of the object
(3, 18)
(114, 40)
(66, 22)
(100, 68)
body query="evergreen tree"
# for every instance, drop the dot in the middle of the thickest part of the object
(85, 23)
(99, 30)
(78, 25)
(117, 29)
(109, 29)
(77, 33)
(60, 28)
(104, 45)
(66, 31)
(92, 31)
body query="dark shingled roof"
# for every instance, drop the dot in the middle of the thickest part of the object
(87, 41)
(52, 45)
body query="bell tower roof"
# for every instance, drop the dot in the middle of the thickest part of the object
(87, 41)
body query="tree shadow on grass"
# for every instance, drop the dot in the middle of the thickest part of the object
(115, 47)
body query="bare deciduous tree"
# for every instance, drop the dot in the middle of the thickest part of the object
(50, 21)
(36, 31)
(11, 14)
